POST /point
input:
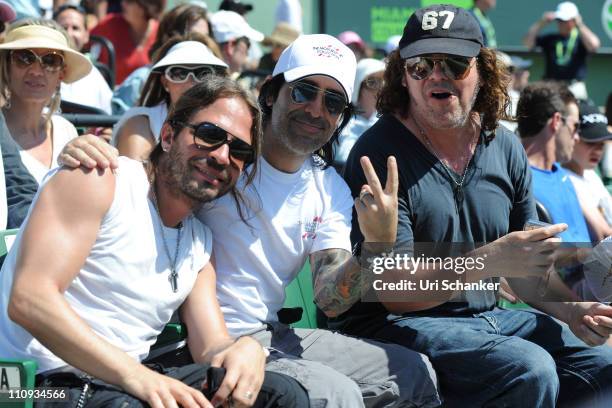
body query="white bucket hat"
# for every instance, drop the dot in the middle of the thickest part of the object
(189, 53)
(37, 36)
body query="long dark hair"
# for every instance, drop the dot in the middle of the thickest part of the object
(198, 98)
(272, 87)
(491, 102)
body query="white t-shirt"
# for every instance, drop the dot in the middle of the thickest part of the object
(122, 290)
(91, 90)
(291, 217)
(63, 132)
(592, 193)
(155, 114)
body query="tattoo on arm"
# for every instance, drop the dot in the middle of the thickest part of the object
(337, 280)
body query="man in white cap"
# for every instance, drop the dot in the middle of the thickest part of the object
(298, 208)
(234, 35)
(565, 52)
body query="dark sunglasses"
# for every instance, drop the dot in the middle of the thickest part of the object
(303, 92)
(179, 74)
(208, 136)
(51, 61)
(575, 129)
(454, 67)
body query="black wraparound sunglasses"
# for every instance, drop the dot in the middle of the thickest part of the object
(208, 136)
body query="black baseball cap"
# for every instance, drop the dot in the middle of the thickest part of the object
(593, 124)
(236, 5)
(442, 29)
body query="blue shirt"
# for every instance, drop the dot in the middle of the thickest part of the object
(554, 189)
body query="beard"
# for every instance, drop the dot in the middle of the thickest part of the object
(449, 119)
(178, 176)
(296, 141)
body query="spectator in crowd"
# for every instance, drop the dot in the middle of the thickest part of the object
(565, 52)
(183, 62)
(7, 14)
(87, 307)
(290, 12)
(234, 35)
(479, 10)
(593, 196)
(236, 6)
(132, 32)
(352, 40)
(519, 69)
(283, 35)
(17, 187)
(181, 20)
(392, 44)
(463, 179)
(26, 8)
(606, 163)
(306, 104)
(548, 123)
(368, 82)
(92, 89)
(34, 60)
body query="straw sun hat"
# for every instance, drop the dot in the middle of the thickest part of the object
(37, 36)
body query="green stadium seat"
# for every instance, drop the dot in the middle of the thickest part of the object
(300, 294)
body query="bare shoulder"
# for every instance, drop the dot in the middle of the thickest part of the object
(136, 125)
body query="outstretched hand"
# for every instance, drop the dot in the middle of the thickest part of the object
(377, 207)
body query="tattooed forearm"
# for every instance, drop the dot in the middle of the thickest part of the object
(337, 282)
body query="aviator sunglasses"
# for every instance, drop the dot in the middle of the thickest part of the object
(51, 61)
(208, 136)
(179, 74)
(303, 92)
(454, 67)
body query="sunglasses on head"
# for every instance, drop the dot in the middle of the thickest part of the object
(179, 74)
(454, 67)
(51, 61)
(304, 92)
(208, 136)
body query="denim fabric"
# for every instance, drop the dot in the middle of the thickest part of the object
(505, 358)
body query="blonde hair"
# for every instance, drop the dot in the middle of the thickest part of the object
(5, 55)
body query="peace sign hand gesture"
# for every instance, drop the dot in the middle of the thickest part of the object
(377, 207)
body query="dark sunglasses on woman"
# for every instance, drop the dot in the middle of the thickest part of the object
(52, 61)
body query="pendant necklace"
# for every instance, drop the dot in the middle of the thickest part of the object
(458, 184)
(173, 277)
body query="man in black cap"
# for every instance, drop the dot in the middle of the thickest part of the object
(236, 6)
(588, 151)
(464, 180)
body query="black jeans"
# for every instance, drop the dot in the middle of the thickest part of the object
(277, 391)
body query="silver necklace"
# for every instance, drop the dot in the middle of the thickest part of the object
(458, 188)
(173, 277)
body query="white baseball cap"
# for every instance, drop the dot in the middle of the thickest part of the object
(189, 53)
(318, 54)
(566, 11)
(229, 25)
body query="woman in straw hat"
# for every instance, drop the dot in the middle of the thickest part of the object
(34, 59)
(180, 63)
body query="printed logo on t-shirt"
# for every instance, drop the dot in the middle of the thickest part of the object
(310, 228)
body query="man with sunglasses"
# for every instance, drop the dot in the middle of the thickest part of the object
(87, 307)
(299, 209)
(465, 181)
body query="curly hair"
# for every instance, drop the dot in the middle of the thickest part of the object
(491, 102)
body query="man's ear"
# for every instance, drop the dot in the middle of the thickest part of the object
(556, 121)
(166, 136)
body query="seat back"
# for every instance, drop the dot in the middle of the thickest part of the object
(299, 294)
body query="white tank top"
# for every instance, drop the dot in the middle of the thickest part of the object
(122, 291)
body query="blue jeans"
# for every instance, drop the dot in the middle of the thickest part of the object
(504, 358)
